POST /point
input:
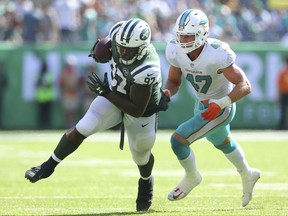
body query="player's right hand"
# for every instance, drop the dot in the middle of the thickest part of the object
(96, 85)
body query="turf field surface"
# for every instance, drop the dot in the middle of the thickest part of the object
(100, 179)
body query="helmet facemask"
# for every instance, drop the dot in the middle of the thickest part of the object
(127, 54)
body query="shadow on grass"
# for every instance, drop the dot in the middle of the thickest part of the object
(113, 213)
(175, 212)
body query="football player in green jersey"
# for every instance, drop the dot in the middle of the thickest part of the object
(132, 95)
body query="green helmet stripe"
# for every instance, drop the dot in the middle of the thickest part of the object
(115, 28)
(131, 29)
(136, 21)
(124, 29)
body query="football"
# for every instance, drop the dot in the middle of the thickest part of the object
(102, 51)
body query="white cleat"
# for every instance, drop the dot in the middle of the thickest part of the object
(184, 187)
(249, 180)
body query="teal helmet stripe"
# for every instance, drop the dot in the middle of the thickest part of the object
(184, 17)
(203, 22)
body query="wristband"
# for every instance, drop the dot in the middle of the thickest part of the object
(222, 102)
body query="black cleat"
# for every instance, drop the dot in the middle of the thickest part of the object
(145, 194)
(36, 173)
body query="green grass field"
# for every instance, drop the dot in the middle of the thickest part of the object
(100, 179)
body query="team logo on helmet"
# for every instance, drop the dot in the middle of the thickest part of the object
(204, 23)
(144, 34)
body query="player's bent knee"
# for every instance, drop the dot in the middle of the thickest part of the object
(181, 150)
(227, 147)
(141, 158)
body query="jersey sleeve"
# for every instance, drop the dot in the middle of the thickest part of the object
(228, 56)
(147, 74)
(171, 53)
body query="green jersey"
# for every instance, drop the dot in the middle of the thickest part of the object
(146, 71)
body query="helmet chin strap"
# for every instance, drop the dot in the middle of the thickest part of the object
(142, 51)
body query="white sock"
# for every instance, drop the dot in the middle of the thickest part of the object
(189, 164)
(192, 177)
(237, 158)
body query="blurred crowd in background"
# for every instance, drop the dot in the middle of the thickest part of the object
(71, 21)
(83, 21)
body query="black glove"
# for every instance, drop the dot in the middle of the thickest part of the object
(97, 86)
(163, 103)
(162, 106)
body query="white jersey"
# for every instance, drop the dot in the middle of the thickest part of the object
(203, 73)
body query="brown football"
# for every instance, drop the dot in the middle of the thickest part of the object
(102, 50)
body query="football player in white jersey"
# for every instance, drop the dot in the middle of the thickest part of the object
(209, 65)
(133, 97)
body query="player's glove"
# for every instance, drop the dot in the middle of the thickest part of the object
(211, 112)
(165, 99)
(162, 106)
(96, 85)
(214, 108)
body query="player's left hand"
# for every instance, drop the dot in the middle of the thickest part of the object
(211, 112)
(96, 85)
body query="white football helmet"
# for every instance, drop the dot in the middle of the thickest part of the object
(192, 22)
(132, 39)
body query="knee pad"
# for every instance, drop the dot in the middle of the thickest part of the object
(228, 147)
(181, 150)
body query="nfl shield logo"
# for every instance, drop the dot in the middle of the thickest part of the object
(125, 72)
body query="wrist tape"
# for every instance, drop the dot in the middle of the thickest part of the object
(222, 102)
